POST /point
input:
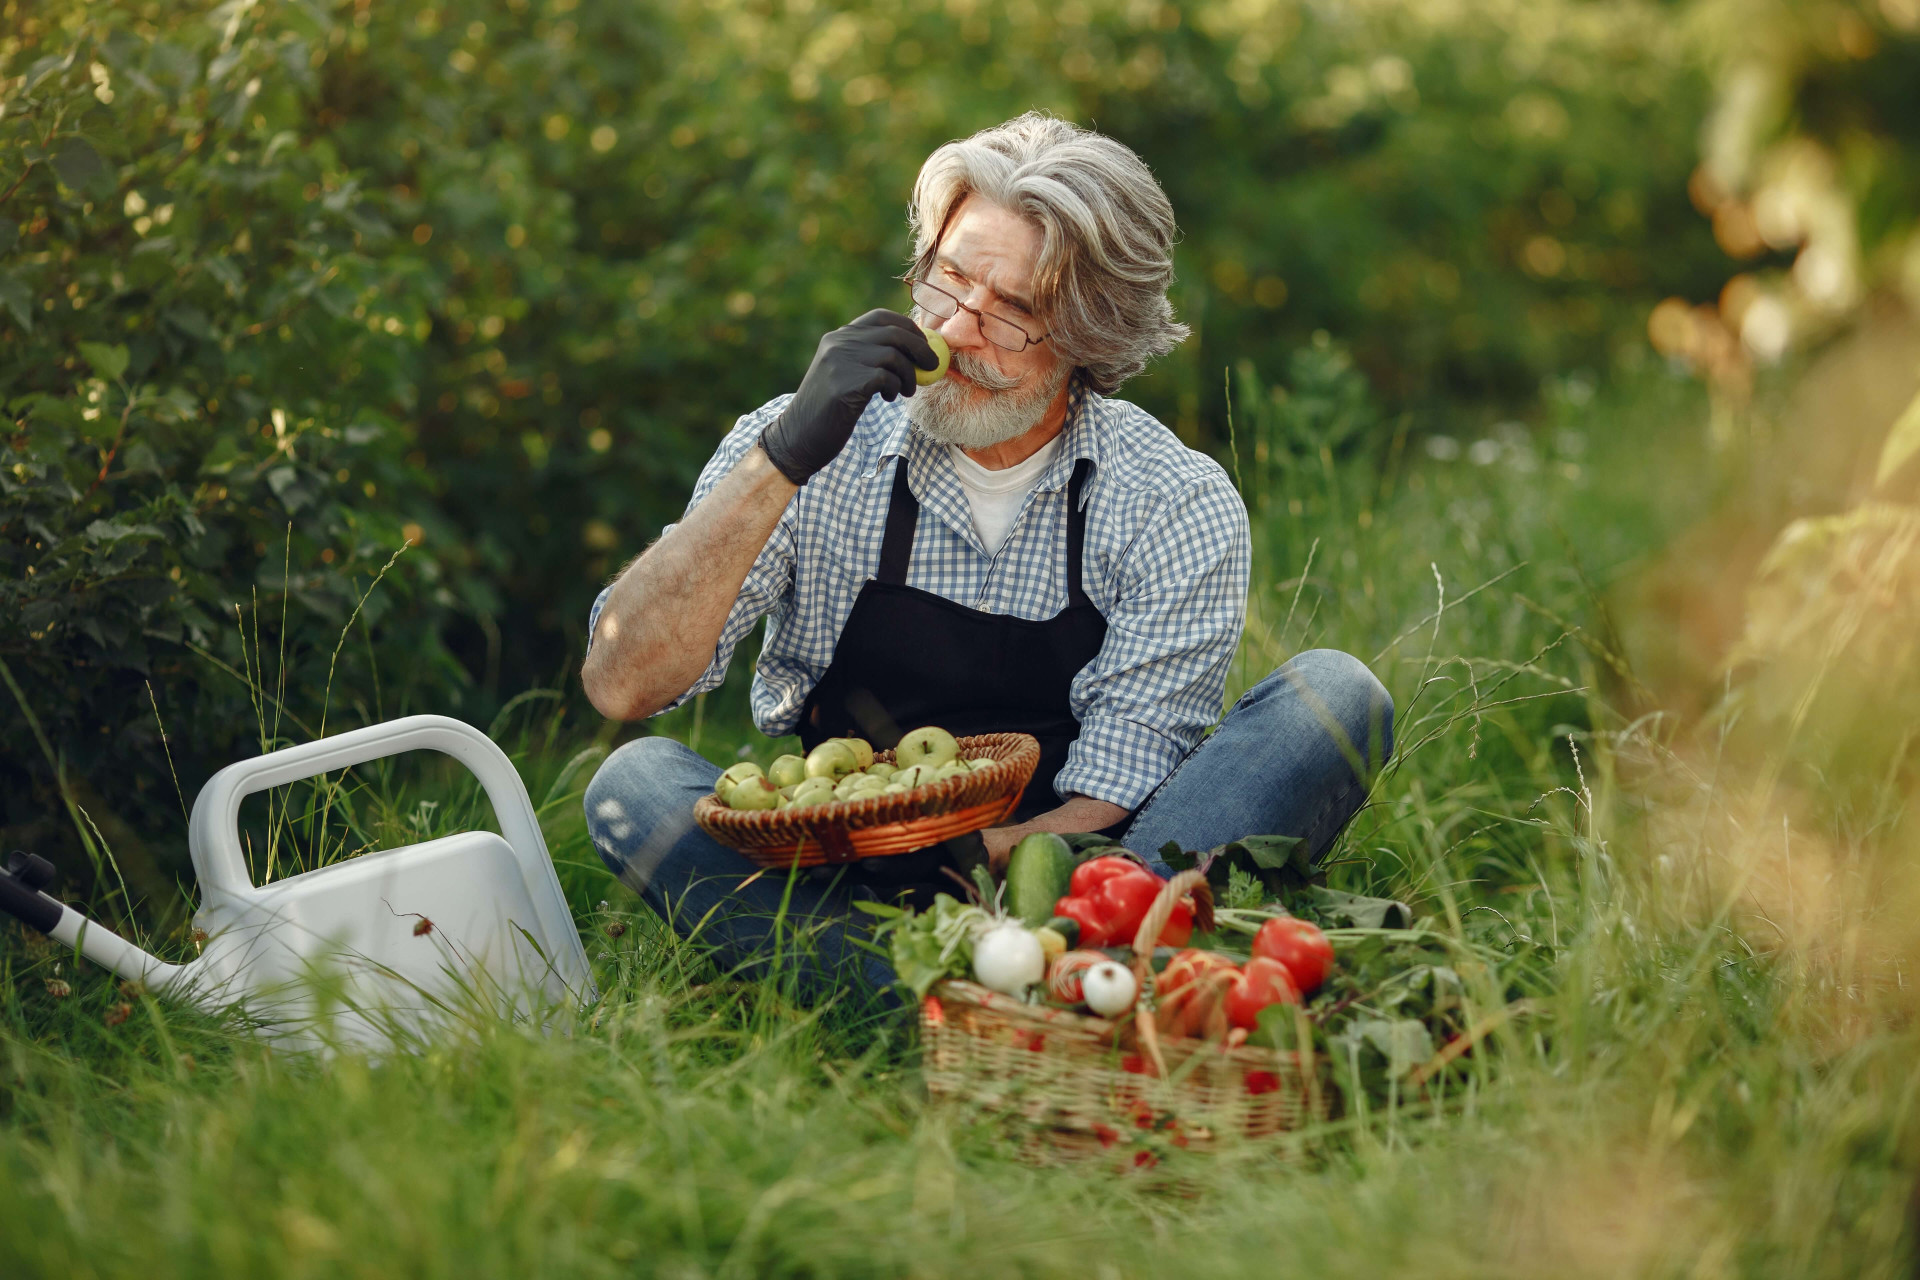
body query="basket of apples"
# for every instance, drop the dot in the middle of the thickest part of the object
(1103, 1028)
(843, 800)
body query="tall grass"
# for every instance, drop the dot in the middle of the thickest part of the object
(1698, 1051)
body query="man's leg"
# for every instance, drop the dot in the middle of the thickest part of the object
(640, 814)
(1294, 756)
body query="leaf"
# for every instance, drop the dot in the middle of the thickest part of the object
(1358, 912)
(112, 531)
(1404, 1042)
(108, 362)
(9, 234)
(18, 301)
(1903, 442)
(78, 165)
(1274, 853)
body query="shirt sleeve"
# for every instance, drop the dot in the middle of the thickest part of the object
(771, 577)
(1157, 683)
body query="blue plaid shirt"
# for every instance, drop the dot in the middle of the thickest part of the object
(1167, 558)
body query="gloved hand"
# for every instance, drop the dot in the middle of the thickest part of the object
(876, 353)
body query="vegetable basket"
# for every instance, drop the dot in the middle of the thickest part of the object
(1087, 1084)
(844, 830)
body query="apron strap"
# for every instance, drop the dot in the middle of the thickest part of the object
(903, 515)
(1076, 532)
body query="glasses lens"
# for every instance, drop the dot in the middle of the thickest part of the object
(1002, 333)
(934, 301)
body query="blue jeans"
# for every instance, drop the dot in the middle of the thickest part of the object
(1294, 756)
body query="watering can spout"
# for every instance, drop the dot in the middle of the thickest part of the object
(21, 882)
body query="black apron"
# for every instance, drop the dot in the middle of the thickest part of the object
(907, 658)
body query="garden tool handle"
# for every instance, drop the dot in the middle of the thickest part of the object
(214, 831)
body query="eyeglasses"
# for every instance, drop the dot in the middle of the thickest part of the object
(998, 330)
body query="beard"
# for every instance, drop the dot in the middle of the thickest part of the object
(993, 410)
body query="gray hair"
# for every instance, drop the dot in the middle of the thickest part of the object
(1106, 258)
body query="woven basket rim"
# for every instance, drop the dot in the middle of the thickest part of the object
(770, 831)
(1108, 1032)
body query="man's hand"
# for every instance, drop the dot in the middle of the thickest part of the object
(875, 355)
(1079, 813)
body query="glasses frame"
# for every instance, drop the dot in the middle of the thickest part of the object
(914, 286)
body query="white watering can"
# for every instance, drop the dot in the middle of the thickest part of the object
(370, 952)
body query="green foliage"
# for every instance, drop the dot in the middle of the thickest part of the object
(205, 426)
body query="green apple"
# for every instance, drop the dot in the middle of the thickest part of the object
(753, 793)
(927, 745)
(788, 770)
(855, 783)
(895, 789)
(740, 773)
(916, 775)
(832, 760)
(811, 792)
(951, 769)
(927, 377)
(862, 751)
(880, 769)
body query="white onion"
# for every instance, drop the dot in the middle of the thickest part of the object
(1109, 989)
(1009, 959)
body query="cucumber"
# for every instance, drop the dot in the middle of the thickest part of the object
(1037, 877)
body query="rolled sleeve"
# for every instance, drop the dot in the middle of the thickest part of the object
(1157, 683)
(768, 582)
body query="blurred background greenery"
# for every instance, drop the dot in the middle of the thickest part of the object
(289, 285)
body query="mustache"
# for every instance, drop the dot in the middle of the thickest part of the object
(982, 374)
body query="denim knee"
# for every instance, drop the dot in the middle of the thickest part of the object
(634, 808)
(1340, 688)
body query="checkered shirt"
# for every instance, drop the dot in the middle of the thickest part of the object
(1166, 563)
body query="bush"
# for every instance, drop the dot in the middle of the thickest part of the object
(205, 388)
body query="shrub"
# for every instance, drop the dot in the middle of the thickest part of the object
(205, 381)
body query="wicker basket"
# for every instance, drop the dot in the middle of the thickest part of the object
(844, 830)
(1086, 1083)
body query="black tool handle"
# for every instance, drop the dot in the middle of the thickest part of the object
(20, 897)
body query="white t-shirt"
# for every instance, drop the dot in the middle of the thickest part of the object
(997, 496)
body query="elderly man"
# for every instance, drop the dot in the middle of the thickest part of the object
(1007, 549)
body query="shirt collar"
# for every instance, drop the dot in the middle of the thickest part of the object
(926, 460)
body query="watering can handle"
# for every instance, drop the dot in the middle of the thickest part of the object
(214, 831)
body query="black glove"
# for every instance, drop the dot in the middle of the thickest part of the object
(876, 353)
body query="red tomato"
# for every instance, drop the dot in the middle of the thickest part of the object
(1265, 982)
(1300, 946)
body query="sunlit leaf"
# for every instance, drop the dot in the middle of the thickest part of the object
(1903, 442)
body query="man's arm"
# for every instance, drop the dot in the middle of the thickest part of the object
(657, 631)
(1079, 813)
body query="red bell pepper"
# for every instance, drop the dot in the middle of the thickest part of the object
(1109, 897)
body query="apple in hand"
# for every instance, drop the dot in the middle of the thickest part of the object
(929, 745)
(927, 377)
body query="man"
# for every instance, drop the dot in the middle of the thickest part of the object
(1007, 549)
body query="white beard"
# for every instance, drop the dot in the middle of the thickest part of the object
(995, 409)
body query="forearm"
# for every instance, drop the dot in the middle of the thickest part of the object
(665, 613)
(1078, 813)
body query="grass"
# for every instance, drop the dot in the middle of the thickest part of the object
(1713, 1075)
